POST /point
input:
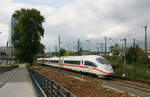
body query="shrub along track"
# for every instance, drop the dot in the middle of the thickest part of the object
(140, 85)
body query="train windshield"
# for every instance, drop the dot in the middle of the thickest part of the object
(102, 61)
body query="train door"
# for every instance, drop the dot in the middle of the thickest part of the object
(62, 61)
(84, 68)
(90, 65)
(81, 65)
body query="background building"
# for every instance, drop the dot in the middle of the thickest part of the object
(3, 51)
(9, 49)
(11, 32)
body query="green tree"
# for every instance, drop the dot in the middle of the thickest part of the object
(68, 53)
(28, 33)
(131, 55)
(136, 54)
(62, 52)
(115, 50)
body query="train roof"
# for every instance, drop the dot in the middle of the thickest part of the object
(75, 57)
(84, 56)
(78, 57)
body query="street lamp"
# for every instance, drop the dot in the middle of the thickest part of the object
(124, 57)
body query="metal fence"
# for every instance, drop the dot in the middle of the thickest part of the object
(45, 87)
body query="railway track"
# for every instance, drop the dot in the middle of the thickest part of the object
(132, 79)
(140, 85)
(135, 84)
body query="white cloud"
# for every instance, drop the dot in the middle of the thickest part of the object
(85, 19)
(4, 34)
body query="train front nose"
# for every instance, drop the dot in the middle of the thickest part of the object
(104, 71)
(109, 70)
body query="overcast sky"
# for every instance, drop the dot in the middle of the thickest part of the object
(84, 19)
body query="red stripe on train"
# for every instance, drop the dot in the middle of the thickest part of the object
(101, 71)
(66, 65)
(78, 66)
(75, 66)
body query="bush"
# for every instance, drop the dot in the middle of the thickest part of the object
(143, 60)
(136, 55)
(131, 55)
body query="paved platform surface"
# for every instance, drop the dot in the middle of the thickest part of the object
(16, 83)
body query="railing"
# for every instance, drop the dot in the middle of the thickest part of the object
(45, 87)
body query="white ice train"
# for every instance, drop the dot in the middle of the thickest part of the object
(90, 64)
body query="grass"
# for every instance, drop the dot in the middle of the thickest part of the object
(134, 70)
(5, 69)
(17, 64)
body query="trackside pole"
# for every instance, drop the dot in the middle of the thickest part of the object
(59, 51)
(124, 75)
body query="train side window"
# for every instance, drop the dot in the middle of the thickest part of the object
(46, 60)
(102, 61)
(72, 62)
(55, 61)
(88, 63)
